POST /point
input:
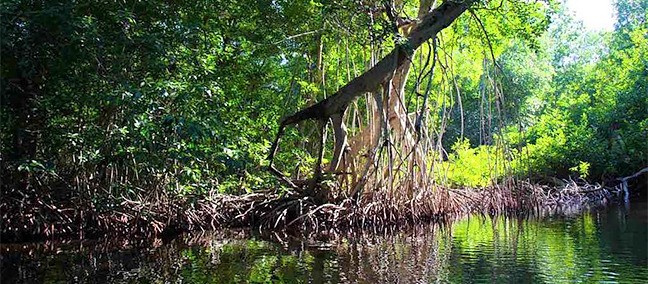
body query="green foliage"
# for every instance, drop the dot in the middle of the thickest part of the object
(184, 97)
(582, 169)
(150, 94)
(472, 167)
(599, 108)
(575, 106)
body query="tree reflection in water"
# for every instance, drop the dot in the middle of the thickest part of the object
(603, 245)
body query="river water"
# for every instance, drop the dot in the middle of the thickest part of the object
(603, 245)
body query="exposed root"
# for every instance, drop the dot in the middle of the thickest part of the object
(270, 211)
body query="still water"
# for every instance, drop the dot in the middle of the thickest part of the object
(605, 245)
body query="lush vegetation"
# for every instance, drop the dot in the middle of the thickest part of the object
(574, 106)
(107, 102)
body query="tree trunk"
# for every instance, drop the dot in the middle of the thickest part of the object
(396, 63)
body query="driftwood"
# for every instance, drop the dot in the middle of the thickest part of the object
(334, 106)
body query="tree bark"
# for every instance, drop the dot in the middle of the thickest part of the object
(431, 24)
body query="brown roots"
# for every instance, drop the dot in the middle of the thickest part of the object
(376, 210)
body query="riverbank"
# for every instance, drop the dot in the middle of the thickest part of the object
(163, 215)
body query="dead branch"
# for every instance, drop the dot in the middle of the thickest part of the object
(635, 175)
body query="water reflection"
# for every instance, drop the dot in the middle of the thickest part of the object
(598, 246)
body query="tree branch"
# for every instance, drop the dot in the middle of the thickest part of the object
(431, 24)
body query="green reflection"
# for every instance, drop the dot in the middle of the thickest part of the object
(600, 246)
